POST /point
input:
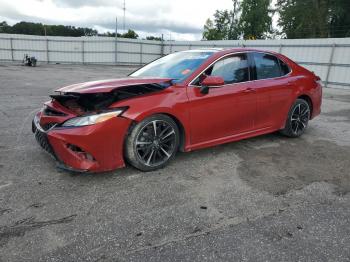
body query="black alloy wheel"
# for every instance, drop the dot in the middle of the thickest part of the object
(152, 143)
(298, 119)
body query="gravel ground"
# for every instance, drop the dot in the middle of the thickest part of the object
(268, 198)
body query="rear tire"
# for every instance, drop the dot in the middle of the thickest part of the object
(152, 143)
(298, 119)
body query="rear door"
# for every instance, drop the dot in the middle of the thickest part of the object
(273, 88)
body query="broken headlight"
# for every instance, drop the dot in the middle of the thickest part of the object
(92, 119)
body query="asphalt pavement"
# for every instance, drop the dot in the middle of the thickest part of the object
(268, 198)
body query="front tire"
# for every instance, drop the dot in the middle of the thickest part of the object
(152, 143)
(298, 119)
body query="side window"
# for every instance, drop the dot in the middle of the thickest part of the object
(233, 69)
(284, 68)
(267, 66)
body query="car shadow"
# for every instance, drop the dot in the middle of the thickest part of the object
(206, 153)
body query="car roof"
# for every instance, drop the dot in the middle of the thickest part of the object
(224, 51)
(214, 49)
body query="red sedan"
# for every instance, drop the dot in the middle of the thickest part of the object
(183, 101)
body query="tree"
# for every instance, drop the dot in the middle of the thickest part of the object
(41, 29)
(210, 32)
(109, 34)
(224, 26)
(234, 29)
(5, 28)
(255, 21)
(303, 19)
(151, 37)
(339, 18)
(28, 28)
(130, 34)
(222, 21)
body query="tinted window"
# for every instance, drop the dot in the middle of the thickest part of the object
(267, 66)
(232, 69)
(284, 68)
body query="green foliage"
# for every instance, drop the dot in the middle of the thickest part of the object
(222, 20)
(39, 29)
(210, 32)
(57, 30)
(109, 34)
(339, 18)
(255, 21)
(304, 19)
(249, 19)
(4, 27)
(151, 37)
(130, 34)
(224, 26)
(314, 18)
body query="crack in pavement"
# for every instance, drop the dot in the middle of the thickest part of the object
(226, 223)
(22, 226)
(5, 211)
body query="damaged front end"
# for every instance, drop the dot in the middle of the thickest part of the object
(84, 130)
(82, 103)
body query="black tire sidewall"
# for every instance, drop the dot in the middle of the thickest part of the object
(288, 131)
(130, 148)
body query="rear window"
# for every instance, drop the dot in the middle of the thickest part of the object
(269, 66)
(284, 68)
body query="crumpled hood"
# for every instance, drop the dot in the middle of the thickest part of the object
(105, 86)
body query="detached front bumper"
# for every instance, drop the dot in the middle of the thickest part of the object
(95, 148)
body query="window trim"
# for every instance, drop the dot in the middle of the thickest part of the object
(279, 62)
(251, 67)
(232, 55)
(221, 58)
(279, 65)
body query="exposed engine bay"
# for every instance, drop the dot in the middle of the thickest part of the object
(81, 103)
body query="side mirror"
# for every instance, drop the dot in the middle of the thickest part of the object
(211, 81)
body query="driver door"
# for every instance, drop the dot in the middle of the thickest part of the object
(226, 110)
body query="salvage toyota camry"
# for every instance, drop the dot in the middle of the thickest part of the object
(183, 101)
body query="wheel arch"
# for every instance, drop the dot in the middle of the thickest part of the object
(181, 130)
(176, 119)
(308, 100)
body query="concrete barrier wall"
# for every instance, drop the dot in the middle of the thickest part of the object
(329, 58)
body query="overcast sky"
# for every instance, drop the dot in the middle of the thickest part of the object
(184, 19)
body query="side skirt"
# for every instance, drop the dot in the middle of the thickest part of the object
(232, 138)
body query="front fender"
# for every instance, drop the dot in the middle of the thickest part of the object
(172, 102)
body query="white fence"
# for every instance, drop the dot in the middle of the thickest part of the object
(329, 58)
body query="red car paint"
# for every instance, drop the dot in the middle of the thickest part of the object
(105, 86)
(228, 113)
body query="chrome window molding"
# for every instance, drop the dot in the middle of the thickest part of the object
(242, 52)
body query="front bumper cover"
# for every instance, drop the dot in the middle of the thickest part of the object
(103, 141)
